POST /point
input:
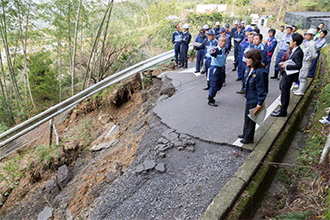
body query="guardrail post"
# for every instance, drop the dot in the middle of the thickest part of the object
(50, 132)
(142, 80)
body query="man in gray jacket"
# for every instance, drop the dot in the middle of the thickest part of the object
(309, 49)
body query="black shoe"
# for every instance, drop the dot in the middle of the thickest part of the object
(241, 136)
(213, 104)
(275, 75)
(185, 65)
(180, 65)
(242, 91)
(234, 69)
(207, 86)
(279, 114)
(246, 142)
(202, 72)
(196, 71)
(238, 79)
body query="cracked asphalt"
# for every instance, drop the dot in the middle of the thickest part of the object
(192, 179)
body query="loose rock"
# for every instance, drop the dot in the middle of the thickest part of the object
(177, 144)
(46, 214)
(52, 187)
(105, 145)
(160, 168)
(113, 131)
(63, 176)
(191, 149)
(180, 148)
(162, 154)
(149, 165)
(139, 169)
(162, 141)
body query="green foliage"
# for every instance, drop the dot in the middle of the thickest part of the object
(43, 79)
(83, 136)
(45, 154)
(201, 19)
(3, 127)
(294, 216)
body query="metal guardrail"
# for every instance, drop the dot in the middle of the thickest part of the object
(30, 124)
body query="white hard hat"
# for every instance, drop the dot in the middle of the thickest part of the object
(206, 26)
(236, 22)
(185, 26)
(217, 23)
(243, 22)
(311, 31)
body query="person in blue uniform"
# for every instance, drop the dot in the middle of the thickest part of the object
(217, 28)
(211, 44)
(217, 70)
(238, 38)
(256, 92)
(176, 41)
(257, 44)
(201, 40)
(283, 47)
(243, 25)
(223, 33)
(245, 43)
(234, 29)
(244, 73)
(270, 46)
(186, 38)
(227, 26)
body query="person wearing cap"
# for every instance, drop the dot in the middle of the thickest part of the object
(211, 44)
(270, 46)
(283, 47)
(243, 25)
(176, 41)
(257, 44)
(294, 29)
(227, 36)
(238, 38)
(217, 69)
(309, 49)
(227, 26)
(245, 46)
(186, 38)
(242, 46)
(223, 33)
(206, 27)
(201, 40)
(217, 28)
(234, 29)
(320, 42)
(291, 73)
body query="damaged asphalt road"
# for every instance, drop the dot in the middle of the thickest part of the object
(194, 172)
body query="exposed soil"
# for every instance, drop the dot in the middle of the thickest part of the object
(80, 129)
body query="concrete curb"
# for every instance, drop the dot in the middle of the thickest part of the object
(247, 186)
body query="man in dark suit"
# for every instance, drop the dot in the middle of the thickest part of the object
(291, 73)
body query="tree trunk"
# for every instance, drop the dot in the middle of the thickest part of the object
(94, 47)
(5, 92)
(103, 44)
(9, 62)
(73, 63)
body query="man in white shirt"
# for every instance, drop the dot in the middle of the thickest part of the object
(309, 49)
